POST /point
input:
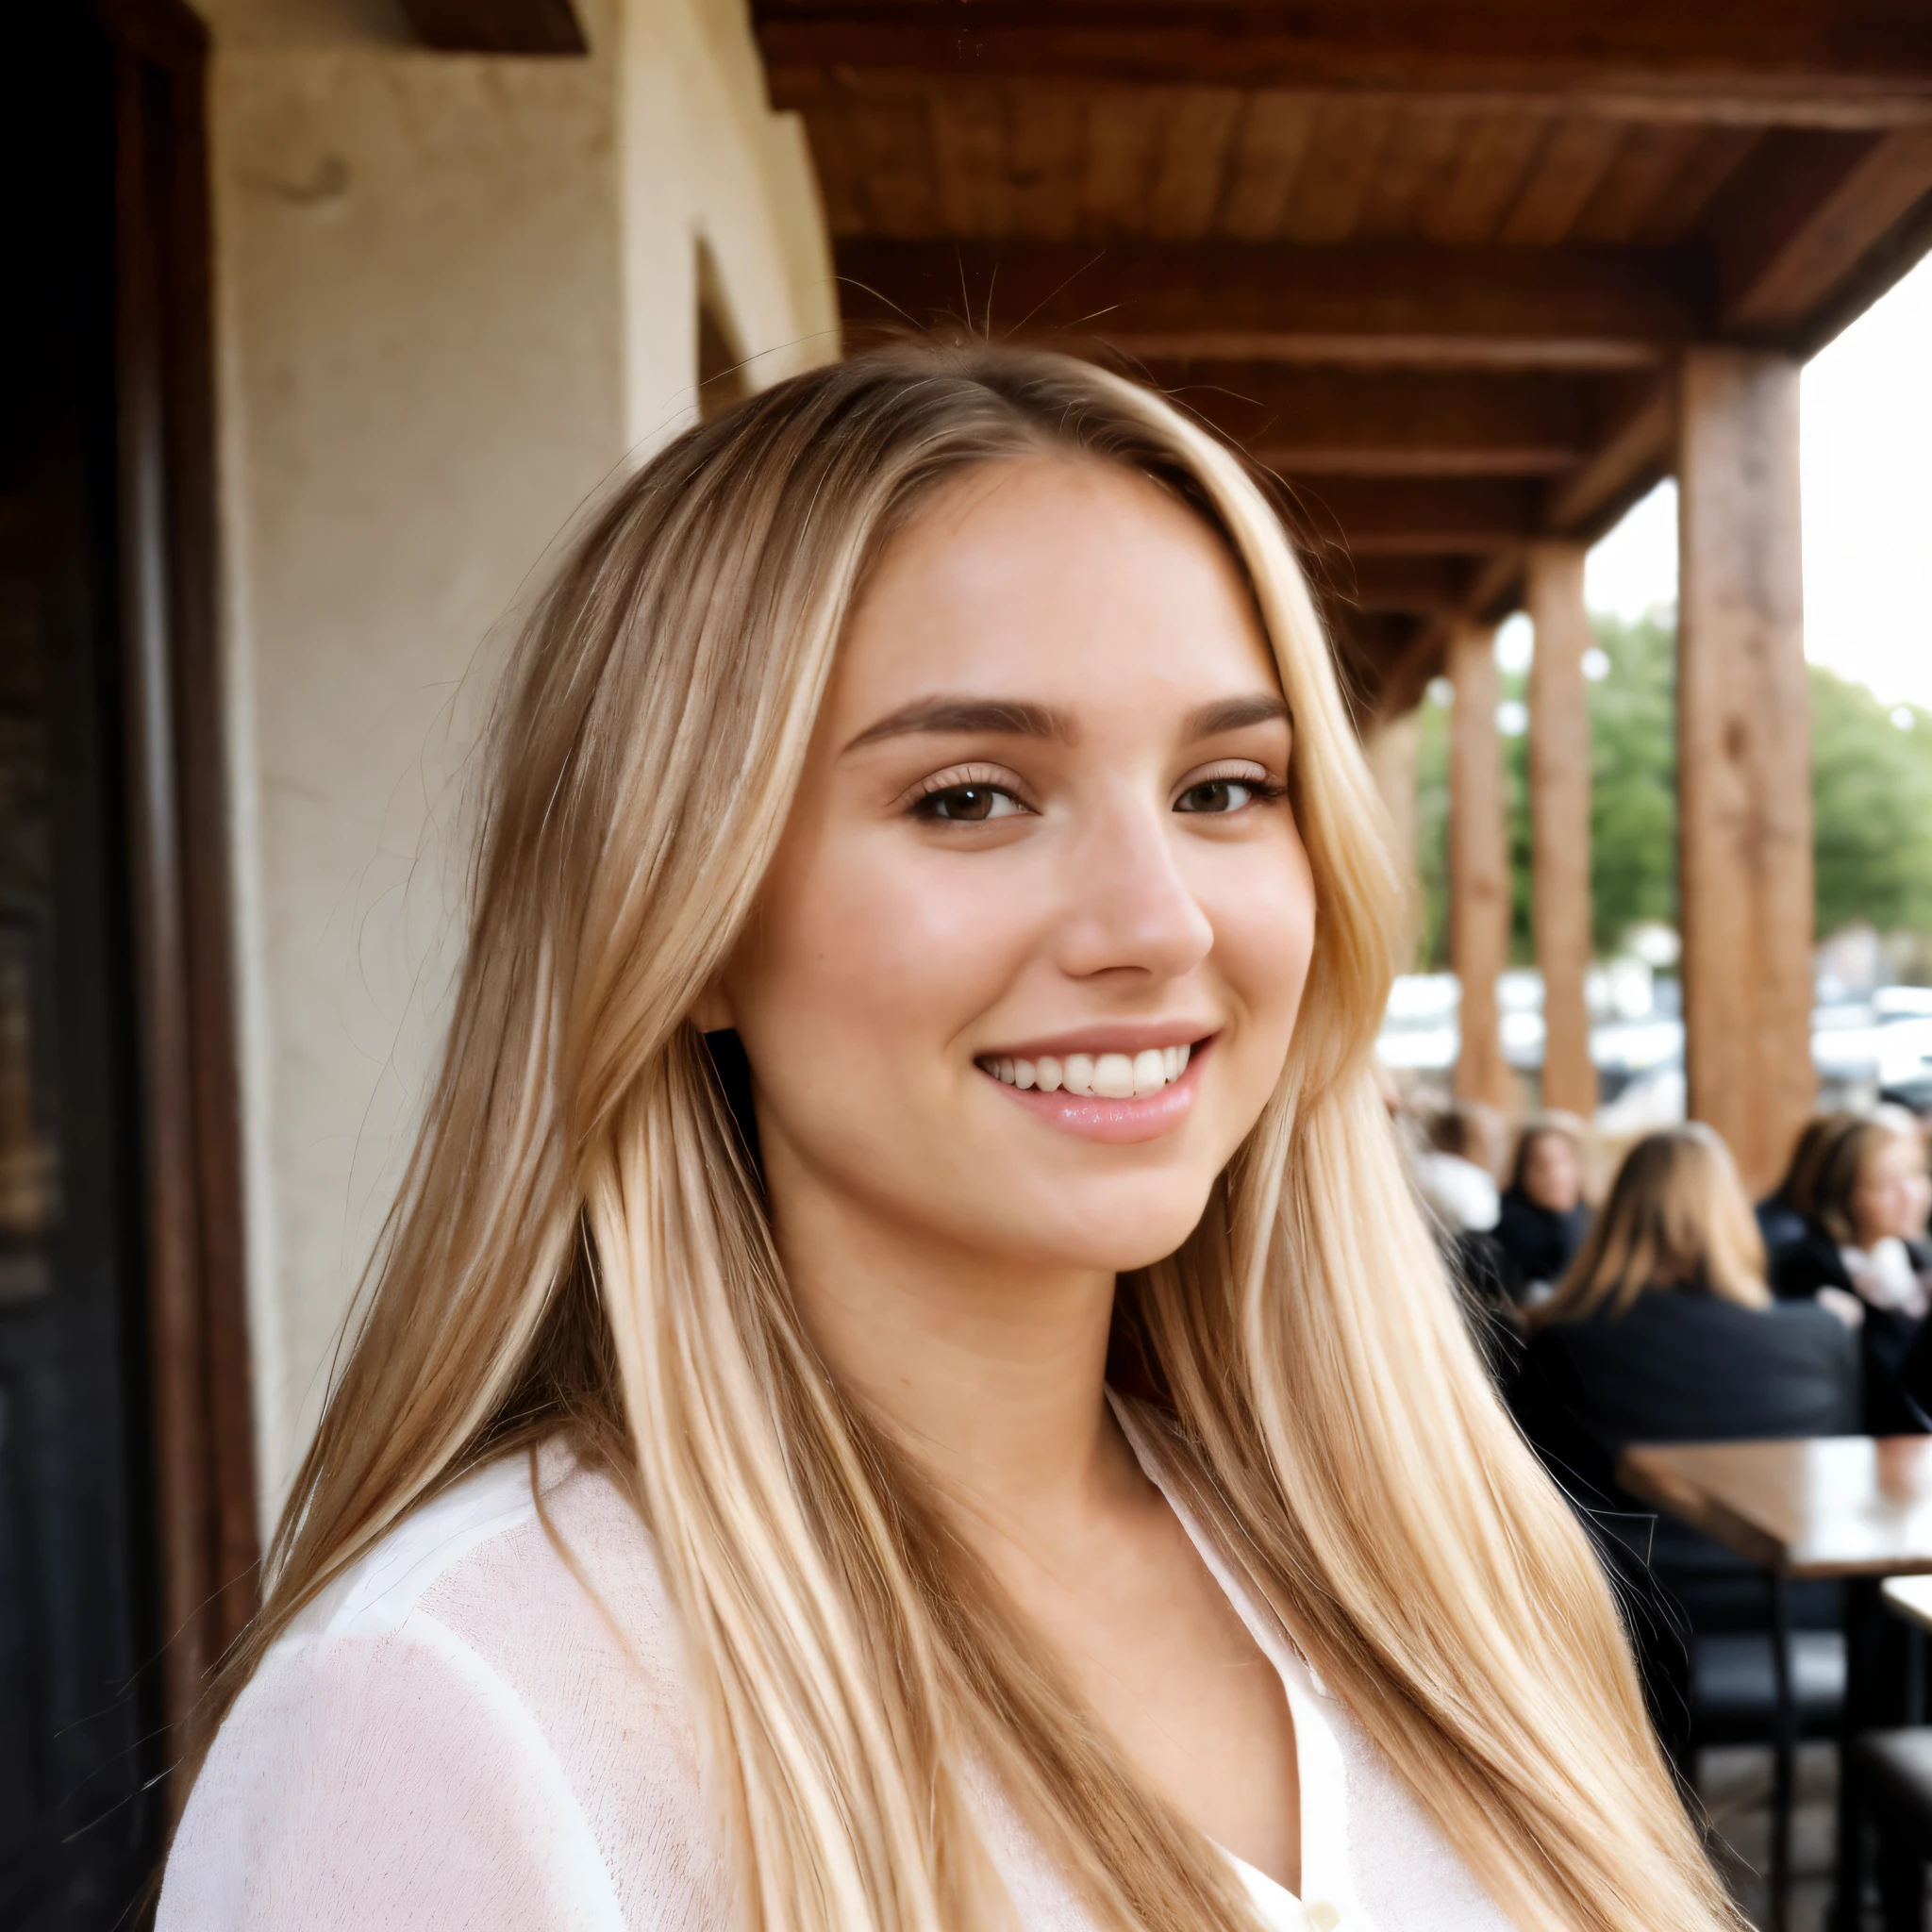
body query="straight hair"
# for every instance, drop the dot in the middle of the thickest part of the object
(582, 1244)
(1677, 1221)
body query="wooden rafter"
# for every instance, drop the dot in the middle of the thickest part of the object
(1848, 62)
(1390, 304)
(1378, 422)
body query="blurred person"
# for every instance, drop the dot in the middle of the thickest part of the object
(1784, 1215)
(907, 1389)
(1455, 1168)
(1664, 1329)
(1454, 1150)
(1542, 1219)
(1864, 1242)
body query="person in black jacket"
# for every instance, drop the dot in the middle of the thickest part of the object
(1542, 1219)
(1785, 1213)
(1664, 1331)
(1864, 1239)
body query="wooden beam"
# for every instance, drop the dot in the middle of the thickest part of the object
(1424, 516)
(1803, 217)
(1376, 304)
(1478, 863)
(1849, 60)
(1425, 586)
(1635, 456)
(1560, 820)
(1397, 421)
(1743, 755)
(497, 26)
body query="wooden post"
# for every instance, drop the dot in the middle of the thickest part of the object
(1744, 756)
(1392, 754)
(1478, 862)
(1560, 820)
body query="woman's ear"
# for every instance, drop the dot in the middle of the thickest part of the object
(713, 1012)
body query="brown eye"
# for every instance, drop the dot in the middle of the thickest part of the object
(1217, 795)
(970, 805)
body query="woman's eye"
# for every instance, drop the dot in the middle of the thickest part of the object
(1218, 795)
(969, 805)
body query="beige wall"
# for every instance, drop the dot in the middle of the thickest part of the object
(454, 295)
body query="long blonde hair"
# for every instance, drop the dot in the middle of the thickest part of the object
(1677, 1218)
(581, 1241)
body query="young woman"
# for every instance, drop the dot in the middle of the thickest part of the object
(1542, 1220)
(908, 1387)
(1866, 1238)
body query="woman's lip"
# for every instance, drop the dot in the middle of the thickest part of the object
(1115, 1122)
(1128, 1037)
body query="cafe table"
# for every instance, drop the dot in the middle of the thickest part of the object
(1857, 1508)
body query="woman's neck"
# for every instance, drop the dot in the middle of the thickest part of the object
(989, 1373)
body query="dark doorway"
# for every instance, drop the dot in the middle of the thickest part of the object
(77, 1713)
(127, 1530)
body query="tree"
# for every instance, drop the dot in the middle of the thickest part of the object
(1633, 801)
(1870, 791)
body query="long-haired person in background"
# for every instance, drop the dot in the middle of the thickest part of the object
(1664, 1330)
(908, 1387)
(1865, 1237)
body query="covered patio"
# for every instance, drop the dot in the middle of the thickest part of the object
(1470, 282)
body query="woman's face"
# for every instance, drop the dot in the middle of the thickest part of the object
(1892, 1192)
(1550, 1176)
(1027, 964)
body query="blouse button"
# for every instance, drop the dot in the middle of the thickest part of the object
(1321, 1915)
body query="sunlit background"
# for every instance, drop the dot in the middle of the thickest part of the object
(1867, 478)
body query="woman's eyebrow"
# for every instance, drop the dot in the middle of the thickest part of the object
(1233, 714)
(1009, 717)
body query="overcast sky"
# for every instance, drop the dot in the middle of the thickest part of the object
(1867, 469)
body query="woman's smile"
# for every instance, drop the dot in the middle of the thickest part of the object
(1107, 1084)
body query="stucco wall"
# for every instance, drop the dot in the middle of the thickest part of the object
(455, 296)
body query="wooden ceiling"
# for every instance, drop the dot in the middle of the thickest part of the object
(1432, 262)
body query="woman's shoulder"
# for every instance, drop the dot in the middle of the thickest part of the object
(490, 1703)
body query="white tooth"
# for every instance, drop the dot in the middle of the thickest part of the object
(1024, 1073)
(1076, 1075)
(1185, 1052)
(1171, 1063)
(1150, 1073)
(1006, 1070)
(1049, 1072)
(1113, 1076)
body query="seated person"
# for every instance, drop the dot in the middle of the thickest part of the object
(1454, 1168)
(1784, 1213)
(1865, 1240)
(1664, 1331)
(1542, 1219)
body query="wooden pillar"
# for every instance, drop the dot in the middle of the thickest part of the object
(1478, 862)
(1560, 820)
(1391, 750)
(1744, 756)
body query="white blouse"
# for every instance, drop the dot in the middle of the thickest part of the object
(458, 1733)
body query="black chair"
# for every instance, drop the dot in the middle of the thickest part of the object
(1893, 1774)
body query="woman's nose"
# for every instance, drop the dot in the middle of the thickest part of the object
(1129, 905)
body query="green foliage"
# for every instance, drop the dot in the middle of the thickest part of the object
(1633, 804)
(1871, 806)
(1633, 758)
(1871, 789)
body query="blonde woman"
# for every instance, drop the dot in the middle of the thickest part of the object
(907, 1387)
